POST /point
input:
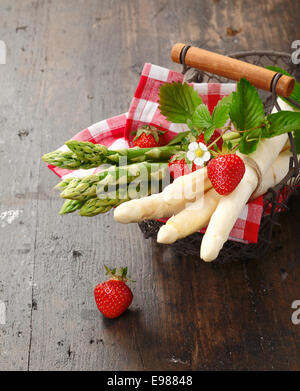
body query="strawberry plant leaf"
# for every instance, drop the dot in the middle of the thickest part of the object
(246, 109)
(295, 95)
(246, 147)
(202, 118)
(221, 111)
(178, 101)
(208, 133)
(297, 141)
(282, 122)
(178, 139)
(250, 140)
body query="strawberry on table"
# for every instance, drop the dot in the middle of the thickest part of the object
(113, 296)
(148, 137)
(225, 172)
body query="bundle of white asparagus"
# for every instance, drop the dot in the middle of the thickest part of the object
(194, 204)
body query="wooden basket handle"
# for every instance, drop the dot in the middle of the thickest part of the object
(232, 69)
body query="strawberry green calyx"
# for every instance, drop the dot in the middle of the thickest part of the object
(120, 275)
(149, 130)
(181, 156)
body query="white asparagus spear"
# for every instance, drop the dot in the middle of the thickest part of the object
(275, 173)
(230, 206)
(185, 189)
(197, 215)
(190, 219)
(151, 207)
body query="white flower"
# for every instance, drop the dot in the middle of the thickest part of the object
(198, 153)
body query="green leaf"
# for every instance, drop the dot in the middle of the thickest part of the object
(246, 146)
(282, 122)
(246, 110)
(178, 139)
(295, 95)
(178, 101)
(194, 131)
(208, 133)
(221, 111)
(297, 141)
(202, 118)
(124, 271)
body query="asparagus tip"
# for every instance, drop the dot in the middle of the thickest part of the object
(167, 234)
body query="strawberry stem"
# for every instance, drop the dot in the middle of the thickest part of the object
(217, 139)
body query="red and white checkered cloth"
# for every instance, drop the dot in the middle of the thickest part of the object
(115, 133)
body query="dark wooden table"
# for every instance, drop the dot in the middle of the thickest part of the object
(70, 64)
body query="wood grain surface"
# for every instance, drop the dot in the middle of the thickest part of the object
(72, 63)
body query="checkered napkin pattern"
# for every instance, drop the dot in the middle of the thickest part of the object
(116, 133)
(109, 132)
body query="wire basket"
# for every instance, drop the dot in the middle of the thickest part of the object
(274, 201)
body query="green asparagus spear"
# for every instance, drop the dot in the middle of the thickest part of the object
(63, 184)
(70, 206)
(93, 185)
(94, 206)
(88, 152)
(82, 189)
(136, 155)
(70, 161)
(67, 159)
(88, 155)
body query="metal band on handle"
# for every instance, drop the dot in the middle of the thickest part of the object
(185, 68)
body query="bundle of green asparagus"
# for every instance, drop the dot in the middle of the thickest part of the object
(98, 193)
(126, 174)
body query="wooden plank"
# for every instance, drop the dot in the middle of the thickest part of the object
(21, 121)
(74, 64)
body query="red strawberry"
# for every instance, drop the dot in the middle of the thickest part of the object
(215, 135)
(225, 172)
(113, 296)
(148, 137)
(178, 165)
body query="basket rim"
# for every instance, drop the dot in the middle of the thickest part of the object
(246, 53)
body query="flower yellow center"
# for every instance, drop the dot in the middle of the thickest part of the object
(199, 153)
